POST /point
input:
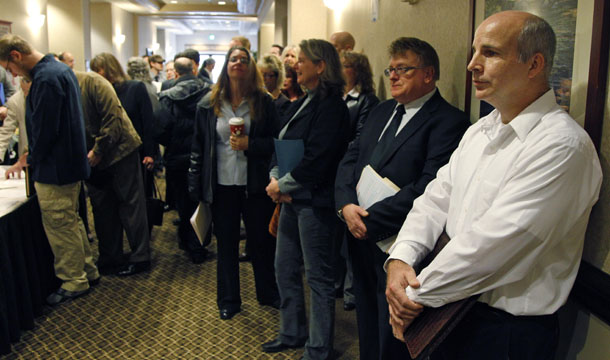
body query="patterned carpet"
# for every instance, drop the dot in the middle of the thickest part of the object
(168, 313)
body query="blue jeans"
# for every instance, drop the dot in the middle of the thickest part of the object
(305, 236)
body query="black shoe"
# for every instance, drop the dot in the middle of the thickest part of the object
(60, 295)
(94, 282)
(226, 314)
(349, 306)
(199, 257)
(167, 208)
(274, 304)
(276, 345)
(134, 268)
(108, 269)
(244, 257)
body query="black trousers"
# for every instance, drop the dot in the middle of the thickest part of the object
(374, 331)
(230, 202)
(488, 333)
(186, 207)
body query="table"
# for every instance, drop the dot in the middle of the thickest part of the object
(26, 262)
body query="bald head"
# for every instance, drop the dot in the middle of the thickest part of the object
(528, 32)
(67, 58)
(343, 41)
(183, 66)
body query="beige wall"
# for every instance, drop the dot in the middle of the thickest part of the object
(306, 20)
(122, 22)
(266, 38)
(101, 28)
(446, 31)
(17, 13)
(66, 19)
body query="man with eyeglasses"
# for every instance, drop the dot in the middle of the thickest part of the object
(406, 139)
(58, 160)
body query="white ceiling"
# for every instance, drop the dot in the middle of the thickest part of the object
(187, 16)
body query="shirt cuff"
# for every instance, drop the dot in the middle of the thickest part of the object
(408, 253)
(288, 184)
(274, 173)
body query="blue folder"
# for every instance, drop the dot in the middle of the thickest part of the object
(288, 153)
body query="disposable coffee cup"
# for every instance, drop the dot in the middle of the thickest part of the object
(237, 126)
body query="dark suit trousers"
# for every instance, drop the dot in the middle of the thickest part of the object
(230, 202)
(374, 331)
(119, 204)
(488, 333)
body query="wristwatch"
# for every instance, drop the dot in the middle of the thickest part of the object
(340, 214)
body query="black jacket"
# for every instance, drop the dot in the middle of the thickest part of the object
(175, 126)
(359, 111)
(202, 176)
(419, 150)
(324, 127)
(136, 102)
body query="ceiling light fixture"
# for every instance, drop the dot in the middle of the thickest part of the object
(222, 3)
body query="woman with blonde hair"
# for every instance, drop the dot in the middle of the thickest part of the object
(230, 172)
(272, 69)
(290, 54)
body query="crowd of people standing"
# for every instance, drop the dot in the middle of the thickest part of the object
(493, 188)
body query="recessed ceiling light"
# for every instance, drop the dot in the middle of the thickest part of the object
(174, 2)
(222, 3)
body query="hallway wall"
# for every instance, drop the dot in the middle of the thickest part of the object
(17, 13)
(68, 23)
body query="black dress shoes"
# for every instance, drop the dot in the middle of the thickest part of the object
(276, 345)
(134, 268)
(94, 282)
(244, 257)
(226, 314)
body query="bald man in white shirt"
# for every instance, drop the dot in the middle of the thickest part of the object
(515, 200)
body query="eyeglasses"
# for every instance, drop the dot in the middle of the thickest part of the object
(401, 70)
(243, 60)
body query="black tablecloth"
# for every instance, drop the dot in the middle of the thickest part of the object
(26, 272)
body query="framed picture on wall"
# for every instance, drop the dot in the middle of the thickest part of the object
(5, 27)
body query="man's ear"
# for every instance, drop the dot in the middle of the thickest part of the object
(428, 74)
(536, 65)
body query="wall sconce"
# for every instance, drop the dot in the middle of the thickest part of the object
(155, 46)
(336, 5)
(36, 21)
(119, 39)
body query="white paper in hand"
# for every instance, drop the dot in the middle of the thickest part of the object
(372, 188)
(201, 220)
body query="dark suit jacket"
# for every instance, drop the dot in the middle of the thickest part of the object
(420, 149)
(324, 127)
(359, 112)
(136, 102)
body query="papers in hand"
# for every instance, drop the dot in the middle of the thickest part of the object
(201, 220)
(289, 154)
(372, 188)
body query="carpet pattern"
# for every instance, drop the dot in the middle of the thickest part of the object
(167, 313)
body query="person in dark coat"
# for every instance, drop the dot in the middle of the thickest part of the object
(406, 139)
(230, 172)
(175, 132)
(58, 159)
(307, 221)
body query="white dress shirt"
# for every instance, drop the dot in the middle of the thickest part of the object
(232, 165)
(515, 200)
(410, 110)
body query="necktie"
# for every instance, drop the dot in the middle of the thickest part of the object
(387, 138)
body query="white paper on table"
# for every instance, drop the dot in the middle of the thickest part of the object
(372, 188)
(201, 220)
